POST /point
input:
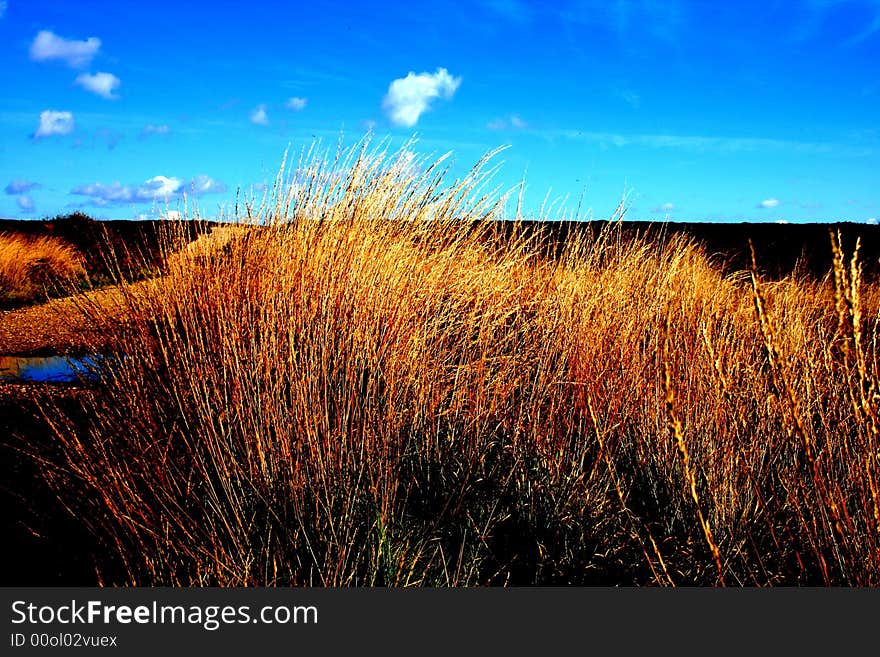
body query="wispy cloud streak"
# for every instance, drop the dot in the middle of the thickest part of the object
(712, 144)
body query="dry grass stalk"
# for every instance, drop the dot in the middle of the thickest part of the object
(32, 266)
(370, 382)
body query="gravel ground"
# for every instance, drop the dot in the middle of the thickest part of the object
(58, 326)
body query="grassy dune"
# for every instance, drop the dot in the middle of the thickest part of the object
(32, 267)
(365, 383)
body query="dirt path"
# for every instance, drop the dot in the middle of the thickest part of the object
(56, 327)
(60, 327)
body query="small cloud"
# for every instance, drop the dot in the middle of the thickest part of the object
(53, 122)
(664, 208)
(3, 5)
(296, 104)
(102, 84)
(20, 187)
(203, 184)
(48, 46)
(173, 215)
(515, 122)
(871, 220)
(151, 129)
(768, 204)
(782, 221)
(259, 116)
(408, 98)
(25, 203)
(157, 188)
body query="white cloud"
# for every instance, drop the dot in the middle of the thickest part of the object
(203, 184)
(768, 203)
(26, 203)
(782, 221)
(53, 122)
(296, 103)
(151, 129)
(871, 220)
(157, 188)
(76, 54)
(20, 187)
(259, 116)
(408, 98)
(160, 187)
(173, 215)
(103, 195)
(515, 121)
(665, 207)
(102, 84)
(702, 144)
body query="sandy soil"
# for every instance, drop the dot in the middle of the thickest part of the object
(60, 326)
(55, 327)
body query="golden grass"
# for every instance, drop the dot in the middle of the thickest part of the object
(365, 383)
(30, 267)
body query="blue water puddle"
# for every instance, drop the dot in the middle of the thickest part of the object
(46, 369)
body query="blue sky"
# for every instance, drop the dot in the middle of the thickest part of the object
(698, 110)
